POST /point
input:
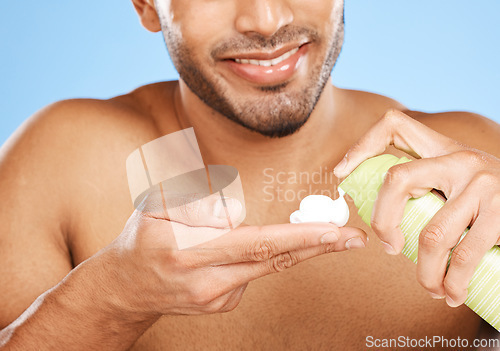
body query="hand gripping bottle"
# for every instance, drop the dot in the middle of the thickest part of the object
(363, 184)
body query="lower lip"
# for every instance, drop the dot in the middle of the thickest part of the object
(271, 75)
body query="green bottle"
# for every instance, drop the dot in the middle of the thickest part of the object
(363, 184)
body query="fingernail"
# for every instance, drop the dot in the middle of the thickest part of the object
(354, 243)
(388, 248)
(219, 210)
(450, 302)
(340, 167)
(437, 296)
(330, 237)
(233, 206)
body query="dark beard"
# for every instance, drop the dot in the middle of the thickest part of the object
(275, 115)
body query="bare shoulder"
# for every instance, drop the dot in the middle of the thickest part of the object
(469, 128)
(80, 147)
(69, 139)
(364, 109)
(366, 101)
(85, 128)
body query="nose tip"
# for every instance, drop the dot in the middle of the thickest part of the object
(264, 17)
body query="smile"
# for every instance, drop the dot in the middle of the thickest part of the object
(267, 69)
(268, 63)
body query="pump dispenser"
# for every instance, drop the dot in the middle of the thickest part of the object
(363, 184)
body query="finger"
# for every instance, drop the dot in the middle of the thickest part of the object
(234, 275)
(219, 303)
(402, 182)
(261, 243)
(466, 256)
(405, 133)
(437, 239)
(197, 209)
(234, 299)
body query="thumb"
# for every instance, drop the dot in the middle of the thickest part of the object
(197, 209)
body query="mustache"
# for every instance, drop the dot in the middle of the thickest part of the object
(257, 41)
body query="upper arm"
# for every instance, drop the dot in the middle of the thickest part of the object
(33, 251)
(471, 129)
(64, 193)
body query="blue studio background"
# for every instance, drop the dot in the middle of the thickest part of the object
(430, 55)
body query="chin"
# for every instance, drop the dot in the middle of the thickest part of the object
(276, 123)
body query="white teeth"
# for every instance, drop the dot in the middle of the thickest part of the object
(268, 63)
(276, 61)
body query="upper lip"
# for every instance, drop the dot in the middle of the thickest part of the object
(263, 55)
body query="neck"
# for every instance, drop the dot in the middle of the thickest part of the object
(223, 141)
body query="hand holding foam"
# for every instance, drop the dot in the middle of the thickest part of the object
(321, 208)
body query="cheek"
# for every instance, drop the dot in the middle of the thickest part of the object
(316, 10)
(323, 16)
(203, 23)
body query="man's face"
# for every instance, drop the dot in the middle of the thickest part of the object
(260, 63)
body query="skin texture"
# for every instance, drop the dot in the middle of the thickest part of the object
(63, 175)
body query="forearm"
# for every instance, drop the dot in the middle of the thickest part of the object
(83, 312)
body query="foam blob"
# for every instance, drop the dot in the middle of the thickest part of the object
(321, 208)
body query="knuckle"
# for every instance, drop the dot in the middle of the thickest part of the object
(170, 258)
(329, 248)
(390, 114)
(392, 117)
(451, 286)
(432, 236)
(397, 175)
(376, 225)
(161, 261)
(263, 249)
(283, 261)
(485, 178)
(461, 256)
(427, 282)
(471, 156)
